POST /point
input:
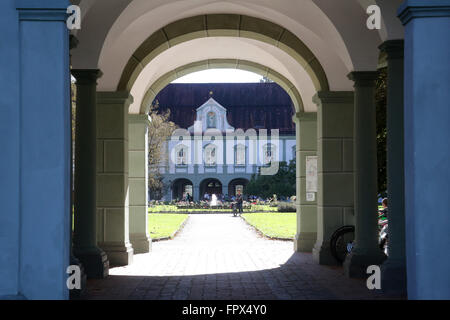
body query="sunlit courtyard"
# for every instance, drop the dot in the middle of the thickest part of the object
(219, 256)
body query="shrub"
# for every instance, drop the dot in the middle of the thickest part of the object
(286, 207)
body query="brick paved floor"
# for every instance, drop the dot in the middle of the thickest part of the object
(221, 257)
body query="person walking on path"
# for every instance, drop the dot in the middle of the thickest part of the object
(239, 201)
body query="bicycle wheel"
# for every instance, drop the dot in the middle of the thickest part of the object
(339, 241)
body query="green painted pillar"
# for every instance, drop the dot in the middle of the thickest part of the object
(138, 180)
(112, 177)
(74, 293)
(366, 251)
(306, 146)
(85, 247)
(335, 199)
(393, 270)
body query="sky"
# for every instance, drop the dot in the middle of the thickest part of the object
(220, 76)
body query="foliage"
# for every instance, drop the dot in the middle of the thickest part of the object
(164, 225)
(281, 184)
(162, 208)
(274, 224)
(207, 205)
(286, 207)
(265, 80)
(262, 208)
(199, 208)
(381, 105)
(160, 129)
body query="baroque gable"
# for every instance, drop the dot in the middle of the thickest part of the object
(211, 115)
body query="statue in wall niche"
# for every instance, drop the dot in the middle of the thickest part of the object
(211, 120)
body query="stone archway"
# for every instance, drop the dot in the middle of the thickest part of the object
(222, 25)
(210, 186)
(235, 184)
(180, 187)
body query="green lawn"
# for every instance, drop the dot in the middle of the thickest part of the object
(273, 224)
(163, 225)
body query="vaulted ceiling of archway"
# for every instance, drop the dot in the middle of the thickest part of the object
(112, 31)
(258, 56)
(333, 32)
(222, 25)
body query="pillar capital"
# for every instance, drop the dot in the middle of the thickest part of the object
(304, 116)
(333, 97)
(363, 78)
(139, 119)
(86, 76)
(114, 97)
(48, 4)
(411, 9)
(51, 10)
(394, 49)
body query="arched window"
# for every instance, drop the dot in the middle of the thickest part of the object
(239, 155)
(210, 155)
(181, 158)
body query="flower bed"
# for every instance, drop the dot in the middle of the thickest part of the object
(204, 207)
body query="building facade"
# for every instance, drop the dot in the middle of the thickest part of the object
(224, 146)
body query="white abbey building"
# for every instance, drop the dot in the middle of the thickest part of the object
(213, 156)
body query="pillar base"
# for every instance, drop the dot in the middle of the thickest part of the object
(393, 278)
(94, 261)
(118, 254)
(304, 242)
(76, 294)
(356, 263)
(141, 243)
(322, 254)
(12, 297)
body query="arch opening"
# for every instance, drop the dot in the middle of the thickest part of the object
(181, 188)
(236, 185)
(210, 186)
(269, 73)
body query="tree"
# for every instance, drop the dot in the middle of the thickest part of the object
(160, 129)
(282, 183)
(265, 80)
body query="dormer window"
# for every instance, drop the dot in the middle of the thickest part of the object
(211, 115)
(211, 120)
